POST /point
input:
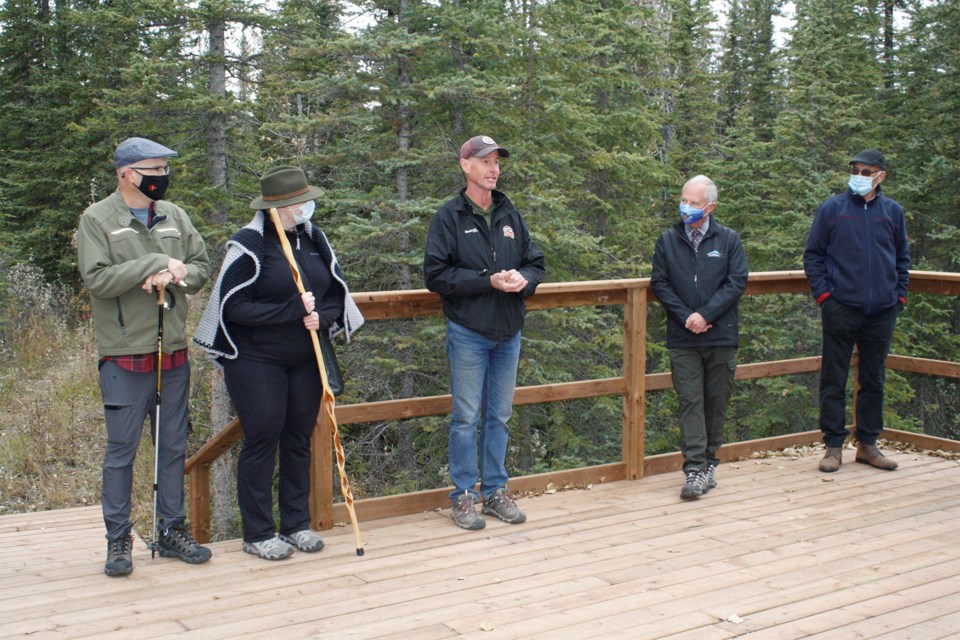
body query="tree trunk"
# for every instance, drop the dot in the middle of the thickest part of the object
(216, 124)
(223, 487)
(223, 472)
(405, 275)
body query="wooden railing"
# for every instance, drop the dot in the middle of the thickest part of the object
(634, 295)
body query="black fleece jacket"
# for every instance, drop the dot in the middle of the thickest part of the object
(463, 251)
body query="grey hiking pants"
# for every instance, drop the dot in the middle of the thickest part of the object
(128, 398)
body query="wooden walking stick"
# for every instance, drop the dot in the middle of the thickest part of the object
(327, 402)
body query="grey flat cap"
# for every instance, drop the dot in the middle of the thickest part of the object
(134, 150)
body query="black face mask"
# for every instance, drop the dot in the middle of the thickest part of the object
(154, 186)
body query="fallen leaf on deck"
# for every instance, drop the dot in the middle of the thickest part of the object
(487, 626)
(734, 618)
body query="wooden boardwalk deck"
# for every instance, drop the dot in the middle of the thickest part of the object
(777, 551)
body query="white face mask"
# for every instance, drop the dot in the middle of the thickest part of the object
(861, 185)
(306, 212)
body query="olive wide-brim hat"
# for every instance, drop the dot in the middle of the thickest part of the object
(283, 186)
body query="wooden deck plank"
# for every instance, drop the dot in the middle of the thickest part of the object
(774, 543)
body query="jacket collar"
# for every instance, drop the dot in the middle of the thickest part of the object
(464, 206)
(860, 200)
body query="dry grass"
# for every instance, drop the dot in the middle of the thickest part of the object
(51, 428)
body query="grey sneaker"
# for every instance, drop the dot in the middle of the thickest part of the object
(711, 474)
(305, 540)
(178, 542)
(269, 549)
(500, 504)
(464, 514)
(119, 556)
(693, 486)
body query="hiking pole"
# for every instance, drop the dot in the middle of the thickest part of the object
(161, 305)
(327, 402)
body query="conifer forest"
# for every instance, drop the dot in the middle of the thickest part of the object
(606, 107)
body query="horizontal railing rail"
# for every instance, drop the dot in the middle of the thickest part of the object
(634, 295)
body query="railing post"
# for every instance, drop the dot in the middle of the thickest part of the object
(634, 374)
(321, 474)
(200, 502)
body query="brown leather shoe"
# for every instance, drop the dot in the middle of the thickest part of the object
(869, 454)
(831, 459)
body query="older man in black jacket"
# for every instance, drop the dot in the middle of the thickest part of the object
(699, 273)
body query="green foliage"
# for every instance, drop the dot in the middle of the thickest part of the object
(606, 106)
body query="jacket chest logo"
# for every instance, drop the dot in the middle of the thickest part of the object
(713, 254)
(508, 232)
(473, 230)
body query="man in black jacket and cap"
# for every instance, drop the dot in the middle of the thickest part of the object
(699, 273)
(482, 261)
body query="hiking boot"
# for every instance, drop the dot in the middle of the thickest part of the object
(869, 454)
(177, 542)
(693, 484)
(500, 504)
(270, 549)
(305, 540)
(464, 514)
(711, 477)
(119, 556)
(831, 459)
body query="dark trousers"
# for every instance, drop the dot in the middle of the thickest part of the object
(844, 327)
(129, 398)
(277, 406)
(703, 380)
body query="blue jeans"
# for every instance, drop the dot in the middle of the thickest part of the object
(483, 376)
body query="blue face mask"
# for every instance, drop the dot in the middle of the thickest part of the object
(861, 185)
(690, 215)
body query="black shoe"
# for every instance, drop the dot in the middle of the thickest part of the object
(119, 558)
(177, 542)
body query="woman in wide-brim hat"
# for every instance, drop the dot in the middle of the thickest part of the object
(256, 326)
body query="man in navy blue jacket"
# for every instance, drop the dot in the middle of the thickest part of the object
(857, 261)
(699, 273)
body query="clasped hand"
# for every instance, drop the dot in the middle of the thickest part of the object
(508, 281)
(697, 323)
(175, 272)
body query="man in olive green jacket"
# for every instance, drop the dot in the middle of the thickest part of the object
(130, 245)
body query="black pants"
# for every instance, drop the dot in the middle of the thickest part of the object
(278, 407)
(703, 380)
(844, 327)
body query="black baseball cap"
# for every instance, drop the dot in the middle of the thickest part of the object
(871, 157)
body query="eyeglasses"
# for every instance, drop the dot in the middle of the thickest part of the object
(153, 171)
(864, 172)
